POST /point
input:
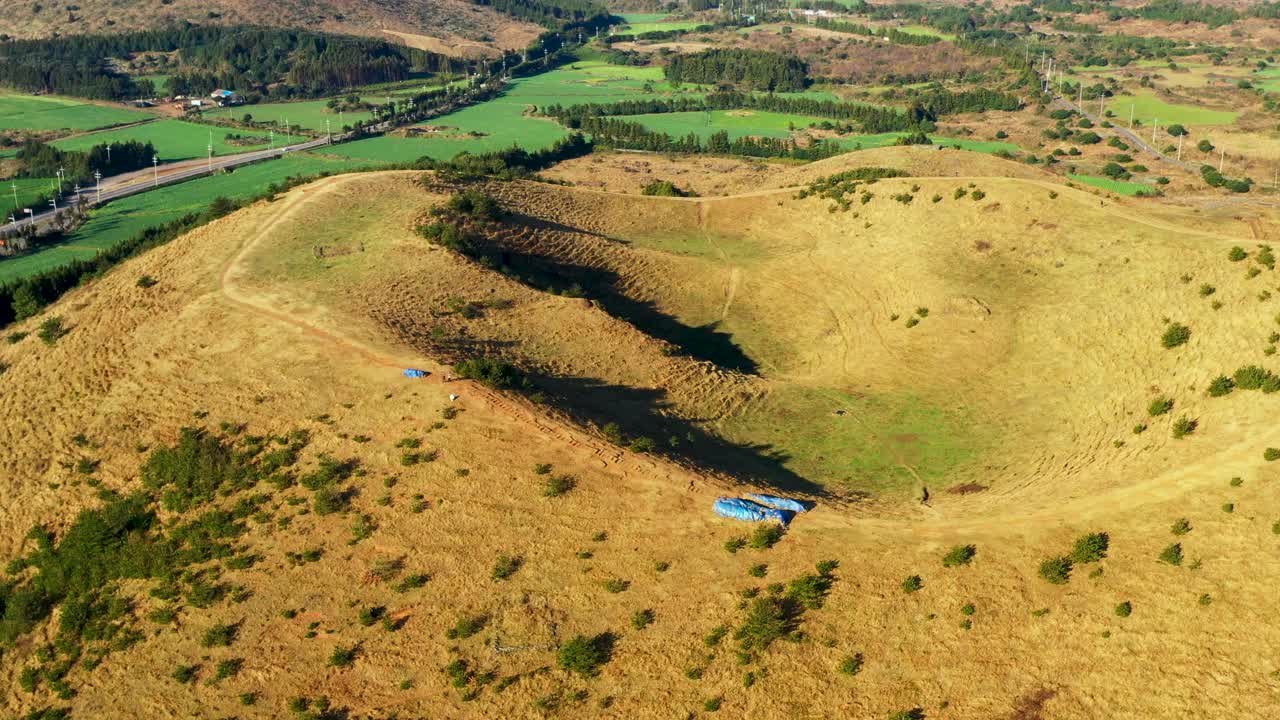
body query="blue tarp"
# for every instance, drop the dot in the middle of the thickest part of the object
(414, 373)
(781, 503)
(740, 509)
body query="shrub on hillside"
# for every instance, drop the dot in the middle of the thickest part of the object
(1174, 335)
(1159, 406)
(1056, 570)
(959, 555)
(584, 656)
(1172, 554)
(1184, 426)
(1090, 548)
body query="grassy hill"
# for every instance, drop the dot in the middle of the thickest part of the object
(340, 530)
(441, 25)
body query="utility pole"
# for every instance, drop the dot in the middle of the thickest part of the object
(1155, 123)
(108, 154)
(1080, 102)
(14, 185)
(1221, 158)
(60, 172)
(328, 135)
(210, 158)
(97, 178)
(155, 169)
(271, 140)
(1131, 116)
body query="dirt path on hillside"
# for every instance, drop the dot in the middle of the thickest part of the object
(516, 409)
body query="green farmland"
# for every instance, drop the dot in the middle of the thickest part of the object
(122, 219)
(1118, 187)
(30, 112)
(28, 189)
(738, 123)
(503, 122)
(868, 142)
(638, 23)
(308, 114)
(1148, 109)
(177, 140)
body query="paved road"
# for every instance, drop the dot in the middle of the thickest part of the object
(140, 181)
(1128, 135)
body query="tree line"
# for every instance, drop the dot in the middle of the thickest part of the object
(234, 57)
(754, 69)
(894, 36)
(926, 108)
(548, 13)
(630, 135)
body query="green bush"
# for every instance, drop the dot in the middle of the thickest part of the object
(968, 609)
(558, 485)
(1172, 554)
(615, 585)
(912, 583)
(220, 635)
(1271, 454)
(959, 555)
(1160, 406)
(505, 567)
(734, 544)
(343, 657)
(912, 714)
(1174, 335)
(52, 330)
(1090, 548)
(227, 668)
(850, 664)
(185, 673)
(809, 591)
(768, 619)
(758, 571)
(1056, 570)
(467, 626)
(1184, 426)
(1124, 609)
(1252, 377)
(584, 656)
(1221, 385)
(1182, 526)
(766, 536)
(494, 373)
(642, 619)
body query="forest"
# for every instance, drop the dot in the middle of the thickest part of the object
(553, 14)
(238, 57)
(752, 69)
(894, 36)
(625, 134)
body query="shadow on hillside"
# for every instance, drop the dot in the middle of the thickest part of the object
(547, 273)
(640, 412)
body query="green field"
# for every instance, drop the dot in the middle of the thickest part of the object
(638, 28)
(161, 82)
(177, 139)
(868, 142)
(1268, 80)
(1118, 187)
(122, 219)
(30, 112)
(1148, 108)
(502, 122)
(29, 190)
(922, 30)
(308, 114)
(738, 123)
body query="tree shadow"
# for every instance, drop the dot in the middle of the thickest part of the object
(645, 413)
(602, 286)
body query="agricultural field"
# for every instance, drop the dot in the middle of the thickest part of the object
(305, 114)
(738, 123)
(44, 112)
(1148, 109)
(122, 219)
(180, 140)
(28, 190)
(504, 121)
(638, 23)
(1119, 187)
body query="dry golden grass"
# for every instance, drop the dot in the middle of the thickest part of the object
(247, 324)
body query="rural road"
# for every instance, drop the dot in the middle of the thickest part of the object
(140, 181)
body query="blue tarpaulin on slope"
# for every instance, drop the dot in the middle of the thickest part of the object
(740, 509)
(414, 373)
(781, 503)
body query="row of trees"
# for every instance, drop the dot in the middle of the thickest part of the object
(753, 69)
(894, 36)
(549, 13)
(629, 135)
(40, 160)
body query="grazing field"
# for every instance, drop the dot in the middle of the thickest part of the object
(504, 121)
(29, 112)
(120, 220)
(28, 189)
(738, 123)
(927, 31)
(867, 142)
(180, 140)
(1148, 109)
(307, 114)
(1119, 187)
